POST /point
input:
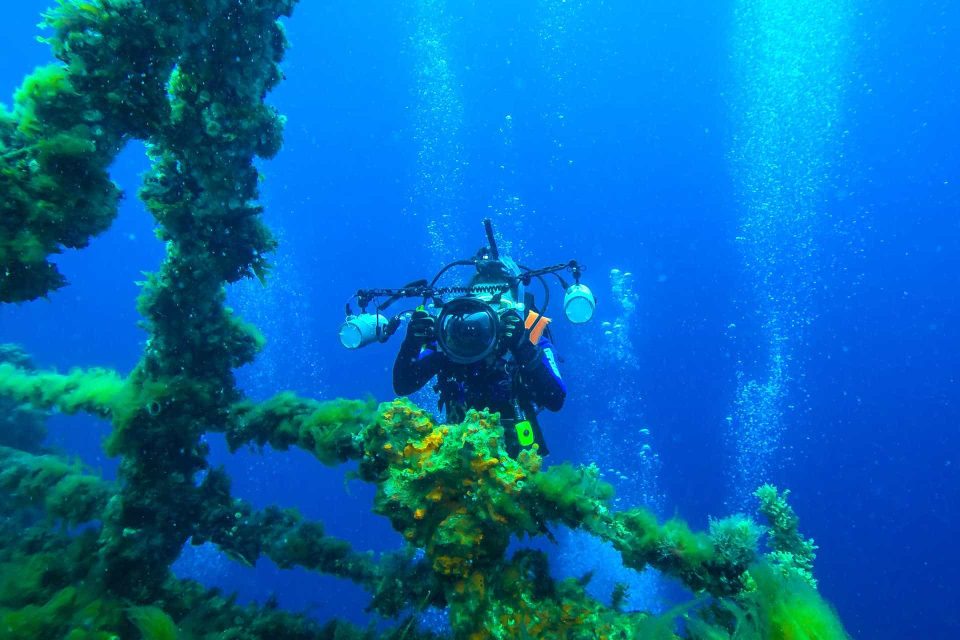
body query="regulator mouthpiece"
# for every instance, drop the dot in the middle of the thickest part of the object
(579, 303)
(366, 328)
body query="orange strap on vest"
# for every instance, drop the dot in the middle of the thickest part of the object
(536, 331)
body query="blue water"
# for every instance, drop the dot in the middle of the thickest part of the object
(781, 181)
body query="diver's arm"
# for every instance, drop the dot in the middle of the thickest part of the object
(539, 374)
(417, 361)
(414, 367)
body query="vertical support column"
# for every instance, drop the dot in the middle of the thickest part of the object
(202, 190)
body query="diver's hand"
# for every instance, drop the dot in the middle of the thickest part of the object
(514, 333)
(422, 327)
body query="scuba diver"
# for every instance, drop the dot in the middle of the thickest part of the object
(516, 376)
(488, 346)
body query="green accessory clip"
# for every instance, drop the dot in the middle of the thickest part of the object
(525, 433)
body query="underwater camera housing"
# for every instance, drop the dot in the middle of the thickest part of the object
(471, 327)
(470, 319)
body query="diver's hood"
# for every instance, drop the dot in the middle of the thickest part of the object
(496, 272)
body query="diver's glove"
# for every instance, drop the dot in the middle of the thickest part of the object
(512, 331)
(517, 338)
(525, 353)
(422, 328)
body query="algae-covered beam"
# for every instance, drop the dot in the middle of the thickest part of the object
(66, 492)
(394, 580)
(282, 535)
(46, 482)
(69, 121)
(791, 553)
(329, 430)
(94, 391)
(420, 465)
(452, 490)
(22, 426)
(49, 589)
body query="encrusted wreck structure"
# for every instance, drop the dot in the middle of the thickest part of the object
(84, 558)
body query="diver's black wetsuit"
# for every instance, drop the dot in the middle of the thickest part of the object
(515, 391)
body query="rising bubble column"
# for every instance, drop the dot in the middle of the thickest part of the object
(438, 120)
(620, 443)
(787, 62)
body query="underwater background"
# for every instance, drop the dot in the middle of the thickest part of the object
(774, 243)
